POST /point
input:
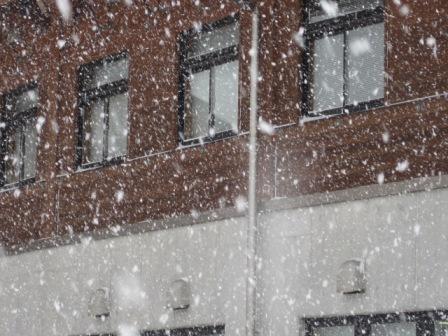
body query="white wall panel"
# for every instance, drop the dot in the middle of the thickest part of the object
(402, 239)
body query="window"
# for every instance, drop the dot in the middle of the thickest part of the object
(344, 63)
(218, 330)
(98, 335)
(103, 124)
(441, 328)
(209, 82)
(19, 137)
(432, 323)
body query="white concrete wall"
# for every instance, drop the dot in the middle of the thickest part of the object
(47, 292)
(403, 240)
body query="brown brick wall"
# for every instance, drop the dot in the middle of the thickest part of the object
(354, 150)
(414, 68)
(160, 180)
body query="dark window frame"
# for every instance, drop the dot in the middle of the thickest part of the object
(201, 63)
(191, 331)
(334, 26)
(218, 329)
(11, 122)
(96, 334)
(86, 96)
(425, 321)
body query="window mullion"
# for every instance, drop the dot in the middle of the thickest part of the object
(106, 128)
(345, 71)
(22, 150)
(306, 76)
(362, 326)
(212, 99)
(425, 327)
(3, 146)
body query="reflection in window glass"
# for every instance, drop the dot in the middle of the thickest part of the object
(335, 331)
(94, 131)
(13, 156)
(197, 111)
(24, 101)
(365, 62)
(343, 7)
(441, 328)
(118, 130)
(226, 97)
(30, 148)
(328, 73)
(215, 40)
(107, 72)
(394, 329)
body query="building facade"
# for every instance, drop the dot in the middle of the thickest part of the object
(124, 167)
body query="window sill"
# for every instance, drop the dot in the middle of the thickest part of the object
(206, 140)
(17, 185)
(346, 110)
(106, 163)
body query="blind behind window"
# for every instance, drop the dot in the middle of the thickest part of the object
(365, 62)
(325, 9)
(328, 79)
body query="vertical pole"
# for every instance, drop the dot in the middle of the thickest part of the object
(251, 281)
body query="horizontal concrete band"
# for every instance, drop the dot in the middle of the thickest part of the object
(424, 184)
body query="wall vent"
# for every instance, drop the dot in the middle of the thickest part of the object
(179, 294)
(351, 277)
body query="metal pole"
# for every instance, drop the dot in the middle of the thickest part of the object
(251, 281)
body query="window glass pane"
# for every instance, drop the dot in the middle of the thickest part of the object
(29, 157)
(210, 334)
(394, 329)
(328, 80)
(225, 78)
(441, 328)
(108, 72)
(335, 331)
(13, 156)
(93, 131)
(365, 64)
(117, 142)
(214, 40)
(197, 110)
(23, 102)
(325, 9)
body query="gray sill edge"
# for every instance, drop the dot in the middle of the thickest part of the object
(415, 185)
